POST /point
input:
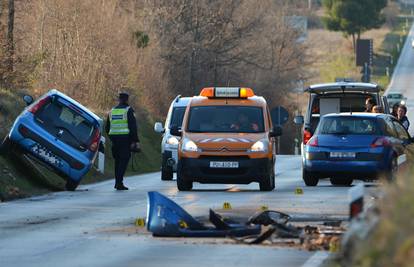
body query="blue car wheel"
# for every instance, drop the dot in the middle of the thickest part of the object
(5, 145)
(309, 178)
(71, 185)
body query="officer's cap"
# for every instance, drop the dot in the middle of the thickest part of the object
(123, 95)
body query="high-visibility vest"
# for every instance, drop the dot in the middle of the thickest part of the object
(119, 121)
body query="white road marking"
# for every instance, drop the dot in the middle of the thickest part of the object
(316, 259)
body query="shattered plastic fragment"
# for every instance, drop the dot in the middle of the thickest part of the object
(166, 218)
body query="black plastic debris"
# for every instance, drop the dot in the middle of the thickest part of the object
(269, 217)
(166, 218)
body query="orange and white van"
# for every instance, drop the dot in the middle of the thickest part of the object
(228, 138)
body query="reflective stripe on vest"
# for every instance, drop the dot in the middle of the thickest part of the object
(119, 121)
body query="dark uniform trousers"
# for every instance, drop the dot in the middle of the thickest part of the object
(121, 153)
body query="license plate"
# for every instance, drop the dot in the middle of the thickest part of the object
(341, 155)
(46, 155)
(224, 164)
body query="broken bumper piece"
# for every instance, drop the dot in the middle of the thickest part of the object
(166, 218)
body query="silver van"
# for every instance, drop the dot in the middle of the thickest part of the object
(169, 143)
(336, 98)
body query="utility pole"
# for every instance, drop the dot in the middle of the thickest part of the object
(310, 4)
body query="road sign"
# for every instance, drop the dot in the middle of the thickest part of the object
(279, 115)
(364, 52)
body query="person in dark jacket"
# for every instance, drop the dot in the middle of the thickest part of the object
(401, 116)
(122, 129)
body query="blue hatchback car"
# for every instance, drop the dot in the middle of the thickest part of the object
(58, 132)
(364, 146)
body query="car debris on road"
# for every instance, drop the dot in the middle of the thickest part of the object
(165, 218)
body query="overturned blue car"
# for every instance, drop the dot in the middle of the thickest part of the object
(58, 132)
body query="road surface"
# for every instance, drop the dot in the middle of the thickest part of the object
(403, 77)
(94, 226)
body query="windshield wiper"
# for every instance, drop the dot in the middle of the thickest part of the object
(82, 144)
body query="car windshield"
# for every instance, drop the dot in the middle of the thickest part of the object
(394, 96)
(348, 125)
(66, 124)
(177, 117)
(226, 119)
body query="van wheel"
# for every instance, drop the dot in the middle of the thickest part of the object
(183, 183)
(167, 174)
(309, 178)
(341, 181)
(71, 185)
(268, 183)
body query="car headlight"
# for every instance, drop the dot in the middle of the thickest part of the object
(189, 146)
(172, 141)
(402, 102)
(260, 146)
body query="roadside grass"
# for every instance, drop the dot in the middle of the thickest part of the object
(392, 241)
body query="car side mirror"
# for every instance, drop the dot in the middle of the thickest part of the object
(175, 131)
(299, 120)
(28, 99)
(276, 131)
(159, 128)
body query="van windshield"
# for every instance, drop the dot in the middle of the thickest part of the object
(177, 117)
(226, 119)
(348, 125)
(66, 124)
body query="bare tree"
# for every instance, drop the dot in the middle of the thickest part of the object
(10, 37)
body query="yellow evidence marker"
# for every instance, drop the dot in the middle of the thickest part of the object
(298, 191)
(140, 222)
(226, 206)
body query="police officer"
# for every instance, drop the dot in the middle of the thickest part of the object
(121, 127)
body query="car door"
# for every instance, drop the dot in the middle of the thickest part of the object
(406, 147)
(385, 105)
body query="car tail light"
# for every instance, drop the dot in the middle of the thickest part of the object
(77, 165)
(23, 130)
(313, 141)
(380, 142)
(95, 140)
(33, 109)
(306, 136)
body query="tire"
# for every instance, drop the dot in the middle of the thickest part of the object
(5, 146)
(392, 171)
(167, 173)
(309, 178)
(341, 181)
(268, 182)
(71, 185)
(183, 183)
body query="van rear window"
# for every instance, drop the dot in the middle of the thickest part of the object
(226, 119)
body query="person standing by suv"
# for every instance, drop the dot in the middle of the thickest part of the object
(401, 116)
(122, 129)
